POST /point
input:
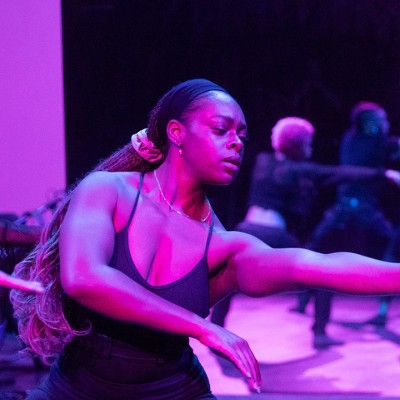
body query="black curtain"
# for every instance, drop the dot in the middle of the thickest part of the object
(309, 58)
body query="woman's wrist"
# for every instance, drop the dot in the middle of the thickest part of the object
(393, 176)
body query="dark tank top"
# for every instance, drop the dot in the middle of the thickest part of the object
(190, 292)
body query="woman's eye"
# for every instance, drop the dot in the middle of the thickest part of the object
(220, 131)
(244, 139)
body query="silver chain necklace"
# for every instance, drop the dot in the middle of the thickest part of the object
(203, 220)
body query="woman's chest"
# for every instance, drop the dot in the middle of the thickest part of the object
(165, 248)
(166, 264)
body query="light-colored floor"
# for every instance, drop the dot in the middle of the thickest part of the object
(367, 364)
(366, 367)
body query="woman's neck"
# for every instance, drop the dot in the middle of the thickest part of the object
(181, 195)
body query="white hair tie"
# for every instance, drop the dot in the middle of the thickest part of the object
(145, 147)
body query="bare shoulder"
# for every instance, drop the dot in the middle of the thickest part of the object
(228, 244)
(236, 238)
(103, 179)
(110, 192)
(229, 251)
(105, 184)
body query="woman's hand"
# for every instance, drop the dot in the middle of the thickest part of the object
(393, 176)
(11, 282)
(233, 348)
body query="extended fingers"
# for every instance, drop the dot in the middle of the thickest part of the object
(35, 287)
(236, 349)
(12, 282)
(393, 176)
(248, 365)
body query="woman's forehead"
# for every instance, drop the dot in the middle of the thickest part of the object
(219, 104)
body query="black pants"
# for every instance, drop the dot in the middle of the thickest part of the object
(83, 374)
(322, 307)
(362, 229)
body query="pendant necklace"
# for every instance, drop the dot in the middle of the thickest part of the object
(203, 220)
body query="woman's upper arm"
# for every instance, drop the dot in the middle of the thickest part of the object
(87, 232)
(258, 269)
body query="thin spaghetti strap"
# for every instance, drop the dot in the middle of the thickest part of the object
(136, 199)
(210, 231)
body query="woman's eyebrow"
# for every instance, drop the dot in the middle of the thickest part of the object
(231, 120)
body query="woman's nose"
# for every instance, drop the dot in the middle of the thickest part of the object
(236, 143)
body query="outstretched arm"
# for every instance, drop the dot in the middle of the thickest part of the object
(86, 245)
(260, 270)
(11, 282)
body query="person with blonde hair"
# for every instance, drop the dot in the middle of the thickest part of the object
(135, 256)
(283, 192)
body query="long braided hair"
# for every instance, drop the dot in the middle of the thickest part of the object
(43, 319)
(42, 322)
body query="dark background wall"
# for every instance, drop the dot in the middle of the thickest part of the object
(309, 58)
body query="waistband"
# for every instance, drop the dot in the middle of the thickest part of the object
(106, 347)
